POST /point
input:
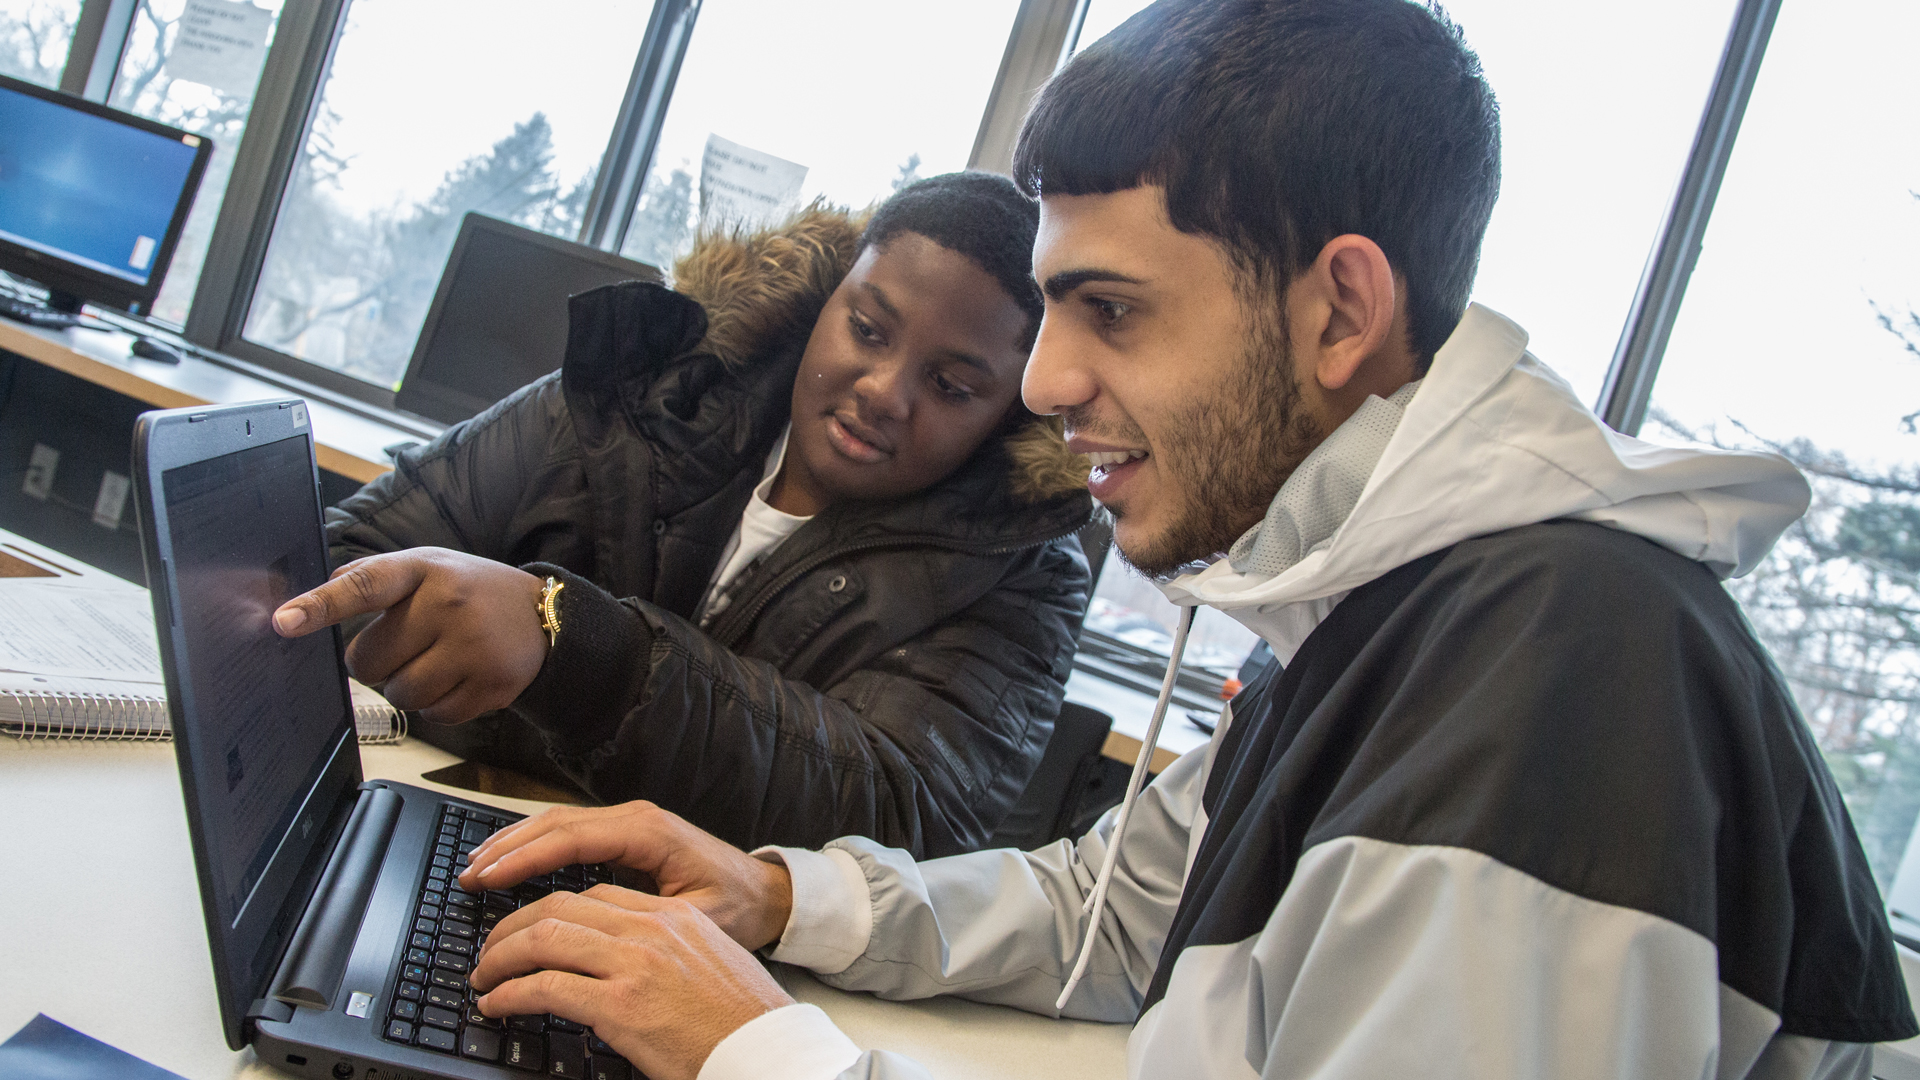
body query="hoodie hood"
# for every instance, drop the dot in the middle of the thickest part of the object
(1490, 440)
(1494, 440)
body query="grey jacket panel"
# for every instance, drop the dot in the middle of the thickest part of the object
(1002, 926)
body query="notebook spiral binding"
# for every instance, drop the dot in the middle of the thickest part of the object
(62, 717)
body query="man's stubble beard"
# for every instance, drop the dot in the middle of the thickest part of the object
(1226, 458)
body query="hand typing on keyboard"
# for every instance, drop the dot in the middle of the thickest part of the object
(662, 979)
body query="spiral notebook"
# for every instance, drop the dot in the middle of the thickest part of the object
(79, 660)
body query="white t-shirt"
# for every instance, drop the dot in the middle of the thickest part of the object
(761, 530)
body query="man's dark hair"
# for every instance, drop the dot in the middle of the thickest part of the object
(979, 215)
(1277, 125)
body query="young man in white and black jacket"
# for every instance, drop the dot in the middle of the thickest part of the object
(1525, 798)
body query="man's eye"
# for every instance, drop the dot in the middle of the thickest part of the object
(1110, 312)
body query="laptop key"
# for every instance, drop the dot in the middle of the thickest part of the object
(414, 973)
(476, 1018)
(534, 1023)
(475, 833)
(408, 990)
(597, 1045)
(524, 1050)
(561, 1023)
(425, 926)
(452, 980)
(445, 998)
(406, 1010)
(436, 1039)
(605, 1067)
(459, 928)
(400, 1031)
(450, 962)
(480, 1043)
(566, 1055)
(440, 1018)
(456, 946)
(419, 956)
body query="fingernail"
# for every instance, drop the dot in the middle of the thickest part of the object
(491, 867)
(289, 619)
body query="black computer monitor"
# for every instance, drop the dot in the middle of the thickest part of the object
(92, 199)
(499, 319)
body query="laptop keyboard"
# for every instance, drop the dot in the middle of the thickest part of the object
(432, 1006)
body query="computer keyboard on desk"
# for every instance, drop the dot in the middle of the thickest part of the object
(433, 1007)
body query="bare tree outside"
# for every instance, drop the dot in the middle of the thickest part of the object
(146, 88)
(1837, 601)
(350, 289)
(34, 36)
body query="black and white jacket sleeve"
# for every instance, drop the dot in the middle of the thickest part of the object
(1534, 806)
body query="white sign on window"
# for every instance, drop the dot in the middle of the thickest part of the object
(220, 44)
(743, 186)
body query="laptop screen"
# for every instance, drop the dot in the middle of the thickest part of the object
(264, 710)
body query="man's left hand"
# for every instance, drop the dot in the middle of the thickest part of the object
(653, 976)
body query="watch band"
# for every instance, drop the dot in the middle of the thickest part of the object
(550, 611)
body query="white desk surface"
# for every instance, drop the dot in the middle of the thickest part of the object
(101, 928)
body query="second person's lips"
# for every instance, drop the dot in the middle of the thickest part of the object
(855, 441)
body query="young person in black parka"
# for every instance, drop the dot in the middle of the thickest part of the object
(814, 565)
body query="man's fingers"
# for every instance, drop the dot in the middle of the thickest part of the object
(564, 930)
(559, 992)
(374, 583)
(610, 912)
(581, 841)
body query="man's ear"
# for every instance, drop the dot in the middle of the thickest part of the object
(1352, 299)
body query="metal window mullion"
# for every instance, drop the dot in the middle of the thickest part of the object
(99, 42)
(1042, 33)
(283, 106)
(636, 132)
(1663, 284)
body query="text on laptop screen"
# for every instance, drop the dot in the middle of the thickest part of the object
(266, 709)
(86, 189)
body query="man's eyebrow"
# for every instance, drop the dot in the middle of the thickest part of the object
(880, 298)
(1063, 283)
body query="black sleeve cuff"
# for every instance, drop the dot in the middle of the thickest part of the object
(595, 670)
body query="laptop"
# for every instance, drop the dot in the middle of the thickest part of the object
(340, 939)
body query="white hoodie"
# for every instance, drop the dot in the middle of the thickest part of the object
(1379, 958)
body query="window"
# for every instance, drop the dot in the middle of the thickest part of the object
(841, 99)
(429, 113)
(34, 35)
(1800, 334)
(1103, 16)
(172, 73)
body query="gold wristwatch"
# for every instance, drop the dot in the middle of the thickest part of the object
(549, 611)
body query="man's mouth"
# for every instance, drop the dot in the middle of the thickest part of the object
(855, 441)
(1111, 471)
(1107, 460)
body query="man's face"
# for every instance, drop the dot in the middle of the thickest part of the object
(1189, 404)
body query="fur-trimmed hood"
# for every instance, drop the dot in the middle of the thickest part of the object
(766, 288)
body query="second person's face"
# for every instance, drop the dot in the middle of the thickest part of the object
(912, 365)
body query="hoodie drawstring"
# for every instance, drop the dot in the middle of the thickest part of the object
(1097, 900)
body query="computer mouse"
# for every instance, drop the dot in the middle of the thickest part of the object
(149, 349)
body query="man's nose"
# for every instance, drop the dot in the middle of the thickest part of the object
(1058, 376)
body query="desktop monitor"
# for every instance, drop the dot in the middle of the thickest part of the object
(499, 319)
(92, 199)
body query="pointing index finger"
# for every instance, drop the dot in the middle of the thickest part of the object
(375, 583)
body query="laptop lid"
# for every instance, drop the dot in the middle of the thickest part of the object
(230, 528)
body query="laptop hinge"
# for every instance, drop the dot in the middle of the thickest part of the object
(269, 1009)
(316, 957)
